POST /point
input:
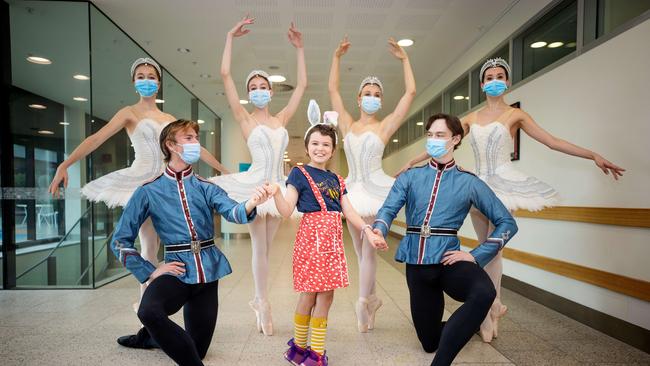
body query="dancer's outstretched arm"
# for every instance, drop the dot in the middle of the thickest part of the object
(88, 145)
(345, 119)
(393, 121)
(295, 37)
(238, 111)
(528, 124)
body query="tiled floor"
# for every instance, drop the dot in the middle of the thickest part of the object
(79, 327)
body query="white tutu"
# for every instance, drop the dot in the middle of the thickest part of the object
(367, 184)
(492, 144)
(116, 188)
(266, 146)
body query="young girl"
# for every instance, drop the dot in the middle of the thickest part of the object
(319, 265)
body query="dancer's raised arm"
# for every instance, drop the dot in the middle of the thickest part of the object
(295, 37)
(393, 121)
(239, 112)
(345, 119)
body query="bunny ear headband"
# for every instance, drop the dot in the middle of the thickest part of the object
(330, 118)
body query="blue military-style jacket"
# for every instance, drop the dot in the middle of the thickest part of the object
(180, 205)
(438, 198)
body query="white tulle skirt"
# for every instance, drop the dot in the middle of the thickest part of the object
(519, 191)
(368, 196)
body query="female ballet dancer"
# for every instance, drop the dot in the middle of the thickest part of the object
(368, 186)
(143, 123)
(491, 129)
(267, 139)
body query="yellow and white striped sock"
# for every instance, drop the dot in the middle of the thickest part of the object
(301, 329)
(318, 333)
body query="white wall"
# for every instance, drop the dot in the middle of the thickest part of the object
(598, 100)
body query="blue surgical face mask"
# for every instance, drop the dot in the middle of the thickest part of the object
(191, 152)
(370, 104)
(260, 97)
(495, 87)
(437, 148)
(146, 87)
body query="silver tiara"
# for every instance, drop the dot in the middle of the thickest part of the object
(261, 73)
(495, 62)
(144, 61)
(371, 80)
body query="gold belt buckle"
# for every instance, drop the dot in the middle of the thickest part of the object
(425, 231)
(195, 246)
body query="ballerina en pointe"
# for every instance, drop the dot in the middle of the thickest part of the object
(264, 320)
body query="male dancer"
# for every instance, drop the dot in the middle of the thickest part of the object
(180, 205)
(438, 197)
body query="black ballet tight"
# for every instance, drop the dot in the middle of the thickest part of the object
(164, 297)
(463, 281)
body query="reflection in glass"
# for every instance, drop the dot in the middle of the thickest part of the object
(612, 13)
(550, 39)
(459, 97)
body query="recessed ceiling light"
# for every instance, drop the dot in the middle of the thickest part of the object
(205, 76)
(405, 42)
(539, 44)
(287, 159)
(183, 50)
(39, 60)
(420, 123)
(395, 140)
(466, 98)
(160, 101)
(64, 123)
(570, 45)
(211, 132)
(274, 67)
(299, 163)
(200, 121)
(243, 101)
(45, 132)
(80, 99)
(277, 78)
(37, 106)
(555, 44)
(459, 97)
(81, 77)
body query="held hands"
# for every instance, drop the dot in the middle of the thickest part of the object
(295, 37)
(238, 30)
(454, 256)
(271, 189)
(61, 175)
(376, 239)
(260, 195)
(343, 47)
(396, 49)
(175, 268)
(607, 166)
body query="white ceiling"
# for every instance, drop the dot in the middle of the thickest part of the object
(442, 31)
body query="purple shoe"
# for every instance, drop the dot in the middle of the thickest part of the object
(295, 354)
(314, 359)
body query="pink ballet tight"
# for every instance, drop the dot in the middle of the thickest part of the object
(367, 260)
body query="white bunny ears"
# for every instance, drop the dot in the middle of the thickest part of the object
(330, 118)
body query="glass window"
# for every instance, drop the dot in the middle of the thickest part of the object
(613, 13)
(459, 97)
(210, 137)
(415, 126)
(550, 39)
